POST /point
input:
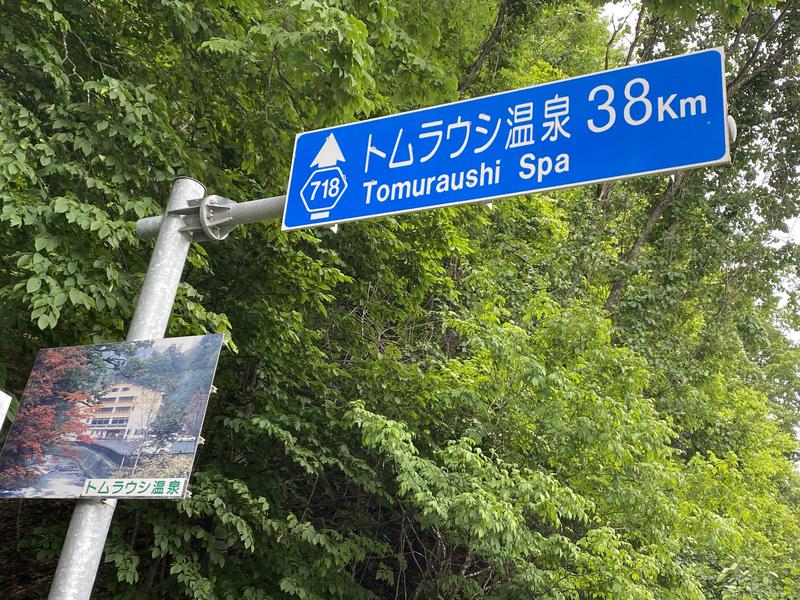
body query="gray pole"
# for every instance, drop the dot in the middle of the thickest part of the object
(91, 519)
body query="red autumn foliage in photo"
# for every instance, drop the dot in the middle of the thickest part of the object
(52, 412)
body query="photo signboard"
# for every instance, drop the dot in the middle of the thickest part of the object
(118, 420)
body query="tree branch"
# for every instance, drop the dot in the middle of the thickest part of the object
(742, 77)
(669, 194)
(740, 31)
(614, 33)
(636, 34)
(488, 45)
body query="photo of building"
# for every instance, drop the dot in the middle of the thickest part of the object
(123, 412)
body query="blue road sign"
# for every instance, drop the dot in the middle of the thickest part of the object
(657, 116)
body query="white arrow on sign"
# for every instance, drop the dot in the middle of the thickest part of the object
(329, 154)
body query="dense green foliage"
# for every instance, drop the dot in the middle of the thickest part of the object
(580, 394)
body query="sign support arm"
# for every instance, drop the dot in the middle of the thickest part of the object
(214, 217)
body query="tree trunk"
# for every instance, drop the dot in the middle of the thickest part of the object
(667, 196)
(489, 43)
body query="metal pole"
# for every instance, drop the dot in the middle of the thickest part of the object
(91, 519)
